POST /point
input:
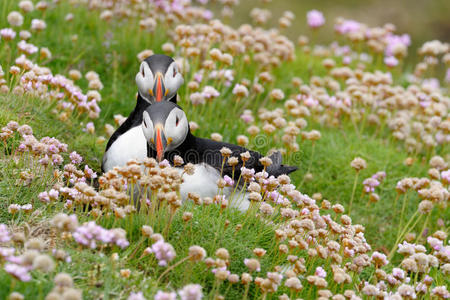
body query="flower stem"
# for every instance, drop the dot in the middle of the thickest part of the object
(172, 267)
(402, 213)
(353, 193)
(403, 232)
(421, 232)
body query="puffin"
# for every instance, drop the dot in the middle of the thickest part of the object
(167, 133)
(158, 80)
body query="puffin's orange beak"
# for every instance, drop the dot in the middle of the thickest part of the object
(159, 145)
(160, 89)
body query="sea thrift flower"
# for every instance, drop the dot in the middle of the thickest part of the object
(240, 90)
(391, 61)
(191, 292)
(38, 25)
(19, 272)
(247, 117)
(4, 234)
(26, 5)
(370, 184)
(89, 173)
(14, 208)
(398, 273)
(75, 157)
(90, 233)
(7, 34)
(347, 26)
(44, 197)
(163, 251)
(43, 263)
(252, 264)
(90, 128)
(209, 92)
(379, 259)
(320, 272)
(315, 19)
(358, 164)
(228, 180)
(136, 296)
(197, 253)
(160, 295)
(15, 19)
(435, 243)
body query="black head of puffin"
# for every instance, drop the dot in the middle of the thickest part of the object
(158, 78)
(165, 127)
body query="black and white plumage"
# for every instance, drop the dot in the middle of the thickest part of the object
(158, 80)
(166, 130)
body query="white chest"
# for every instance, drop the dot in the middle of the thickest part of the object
(204, 183)
(130, 145)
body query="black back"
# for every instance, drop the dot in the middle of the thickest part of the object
(197, 150)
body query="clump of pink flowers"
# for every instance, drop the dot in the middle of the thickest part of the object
(315, 19)
(163, 251)
(89, 234)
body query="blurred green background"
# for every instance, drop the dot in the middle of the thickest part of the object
(424, 20)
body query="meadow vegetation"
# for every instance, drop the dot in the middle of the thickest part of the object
(366, 215)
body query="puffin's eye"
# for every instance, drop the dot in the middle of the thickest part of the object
(177, 121)
(142, 71)
(174, 71)
(145, 124)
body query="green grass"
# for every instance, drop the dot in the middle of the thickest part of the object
(95, 272)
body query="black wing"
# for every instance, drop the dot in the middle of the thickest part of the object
(198, 150)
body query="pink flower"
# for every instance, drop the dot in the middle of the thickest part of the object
(398, 273)
(38, 25)
(390, 61)
(209, 92)
(160, 295)
(346, 60)
(43, 197)
(370, 184)
(4, 234)
(445, 175)
(163, 251)
(379, 259)
(53, 194)
(136, 296)
(163, 164)
(240, 90)
(347, 26)
(198, 77)
(90, 128)
(7, 252)
(27, 47)
(247, 118)
(89, 173)
(315, 19)
(75, 157)
(435, 243)
(320, 272)
(90, 233)
(228, 180)
(393, 41)
(18, 271)
(7, 34)
(191, 292)
(247, 174)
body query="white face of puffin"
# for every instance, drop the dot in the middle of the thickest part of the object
(145, 81)
(158, 87)
(165, 134)
(173, 80)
